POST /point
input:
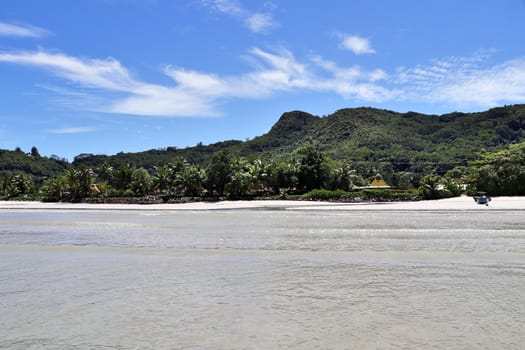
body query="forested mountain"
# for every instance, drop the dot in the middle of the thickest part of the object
(365, 137)
(17, 161)
(299, 154)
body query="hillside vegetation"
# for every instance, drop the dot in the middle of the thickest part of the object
(300, 153)
(373, 140)
(41, 168)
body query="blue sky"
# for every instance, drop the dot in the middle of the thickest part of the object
(105, 76)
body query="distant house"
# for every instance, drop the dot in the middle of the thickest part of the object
(378, 184)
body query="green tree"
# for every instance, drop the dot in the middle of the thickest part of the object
(240, 177)
(218, 173)
(191, 180)
(341, 177)
(20, 184)
(54, 189)
(404, 180)
(105, 173)
(162, 179)
(177, 166)
(500, 173)
(140, 182)
(122, 177)
(260, 174)
(430, 186)
(283, 176)
(313, 171)
(34, 152)
(452, 187)
(78, 182)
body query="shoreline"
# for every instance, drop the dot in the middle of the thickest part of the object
(456, 203)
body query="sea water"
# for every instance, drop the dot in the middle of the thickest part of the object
(262, 279)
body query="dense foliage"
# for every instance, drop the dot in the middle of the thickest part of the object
(308, 173)
(22, 173)
(30, 163)
(403, 147)
(499, 173)
(300, 154)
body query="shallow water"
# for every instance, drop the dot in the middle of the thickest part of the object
(262, 279)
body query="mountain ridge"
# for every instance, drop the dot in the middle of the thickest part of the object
(365, 137)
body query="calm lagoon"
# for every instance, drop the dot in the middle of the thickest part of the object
(262, 279)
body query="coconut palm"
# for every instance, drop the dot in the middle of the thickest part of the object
(78, 182)
(105, 172)
(20, 184)
(240, 178)
(430, 186)
(342, 178)
(54, 189)
(190, 182)
(162, 179)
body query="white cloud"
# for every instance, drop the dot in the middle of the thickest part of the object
(72, 130)
(260, 22)
(105, 85)
(229, 7)
(196, 93)
(465, 82)
(164, 102)
(105, 74)
(486, 87)
(15, 30)
(358, 45)
(257, 22)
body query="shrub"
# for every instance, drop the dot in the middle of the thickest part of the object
(322, 194)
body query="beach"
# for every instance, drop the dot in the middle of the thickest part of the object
(457, 203)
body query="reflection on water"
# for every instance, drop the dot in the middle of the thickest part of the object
(262, 280)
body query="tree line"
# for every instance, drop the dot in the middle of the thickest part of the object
(308, 171)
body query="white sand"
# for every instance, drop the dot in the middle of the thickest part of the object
(458, 203)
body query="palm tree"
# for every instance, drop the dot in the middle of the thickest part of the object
(162, 179)
(78, 182)
(20, 184)
(342, 178)
(191, 180)
(430, 186)
(260, 173)
(54, 188)
(105, 172)
(240, 178)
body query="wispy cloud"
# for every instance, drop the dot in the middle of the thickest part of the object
(108, 86)
(72, 130)
(19, 30)
(257, 22)
(106, 74)
(260, 22)
(358, 45)
(465, 82)
(196, 93)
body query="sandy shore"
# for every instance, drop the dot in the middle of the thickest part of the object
(458, 203)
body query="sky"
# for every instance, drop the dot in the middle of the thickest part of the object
(109, 76)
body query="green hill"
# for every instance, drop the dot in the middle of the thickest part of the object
(364, 136)
(14, 162)
(404, 148)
